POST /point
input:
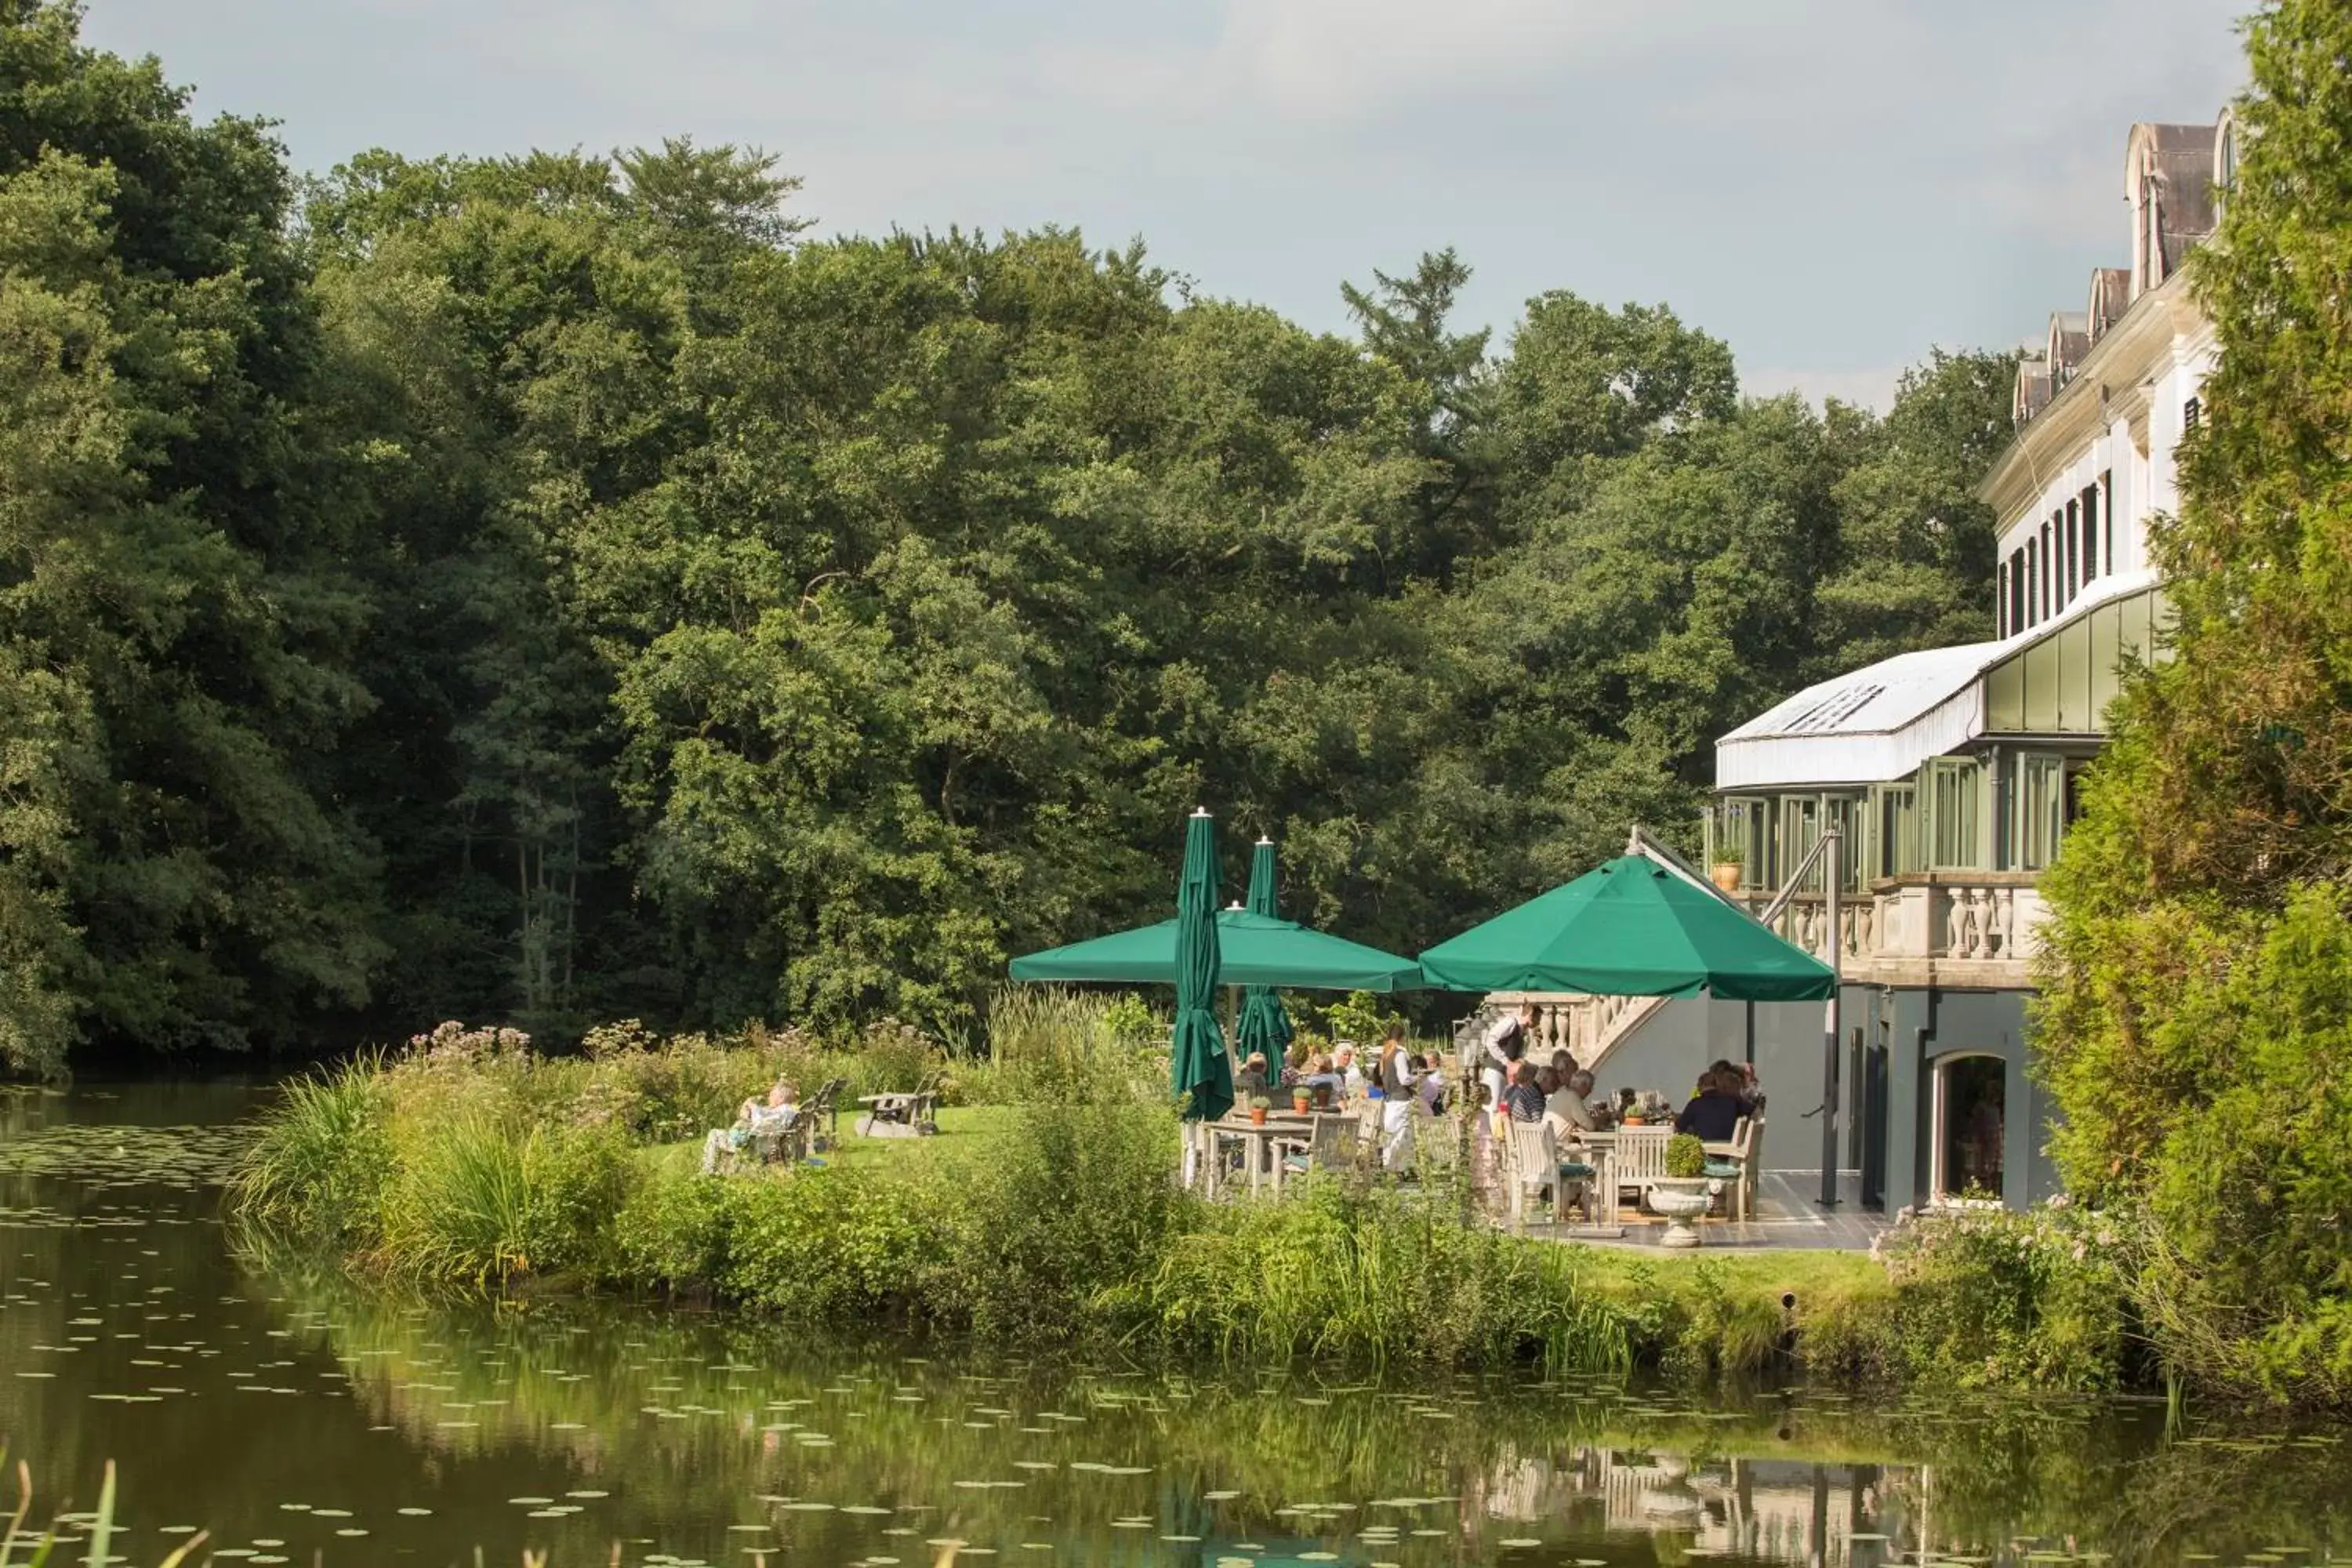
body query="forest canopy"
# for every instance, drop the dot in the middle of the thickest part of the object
(556, 588)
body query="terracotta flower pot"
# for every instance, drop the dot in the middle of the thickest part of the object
(1257, 1116)
(1301, 1103)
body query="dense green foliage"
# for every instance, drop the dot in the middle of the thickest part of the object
(548, 588)
(2199, 1027)
(469, 1161)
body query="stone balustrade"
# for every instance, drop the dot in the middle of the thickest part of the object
(1938, 927)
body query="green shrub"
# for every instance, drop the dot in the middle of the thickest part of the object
(472, 1201)
(1075, 1206)
(319, 1160)
(1997, 1299)
(1685, 1156)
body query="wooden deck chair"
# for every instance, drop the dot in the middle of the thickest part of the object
(821, 1114)
(913, 1114)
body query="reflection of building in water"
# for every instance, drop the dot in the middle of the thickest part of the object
(1821, 1516)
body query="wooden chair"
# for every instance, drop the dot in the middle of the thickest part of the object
(1737, 1168)
(824, 1106)
(1331, 1146)
(1640, 1161)
(1436, 1143)
(1531, 1165)
(913, 1114)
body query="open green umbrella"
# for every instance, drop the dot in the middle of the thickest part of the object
(1252, 949)
(1264, 1028)
(1629, 928)
(1197, 1061)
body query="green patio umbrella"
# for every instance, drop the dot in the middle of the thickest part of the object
(1252, 949)
(1197, 1061)
(1263, 1027)
(1629, 928)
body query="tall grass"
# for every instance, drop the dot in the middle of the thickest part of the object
(1380, 1276)
(1052, 1042)
(319, 1162)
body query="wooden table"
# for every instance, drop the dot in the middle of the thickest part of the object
(1262, 1143)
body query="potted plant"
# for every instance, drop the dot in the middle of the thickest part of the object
(1302, 1098)
(1259, 1105)
(1728, 860)
(1683, 1196)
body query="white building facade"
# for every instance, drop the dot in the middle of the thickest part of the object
(1950, 774)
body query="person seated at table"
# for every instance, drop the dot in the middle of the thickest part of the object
(1739, 1076)
(1251, 1079)
(753, 1117)
(1521, 1098)
(1429, 1084)
(1566, 1107)
(1295, 1065)
(1343, 1062)
(1322, 1078)
(1714, 1111)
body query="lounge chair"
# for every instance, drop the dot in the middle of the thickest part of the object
(913, 1114)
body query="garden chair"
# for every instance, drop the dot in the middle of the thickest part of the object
(1639, 1160)
(1436, 1143)
(913, 1114)
(1531, 1166)
(824, 1106)
(1332, 1146)
(1736, 1168)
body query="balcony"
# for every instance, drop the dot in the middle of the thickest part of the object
(1958, 930)
(1972, 930)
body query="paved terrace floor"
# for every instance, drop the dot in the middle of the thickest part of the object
(1789, 1215)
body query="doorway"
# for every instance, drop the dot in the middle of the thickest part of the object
(1971, 1123)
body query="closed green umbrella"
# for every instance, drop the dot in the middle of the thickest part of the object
(1198, 1064)
(1264, 1028)
(1629, 928)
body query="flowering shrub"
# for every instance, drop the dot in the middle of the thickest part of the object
(1996, 1299)
(452, 1044)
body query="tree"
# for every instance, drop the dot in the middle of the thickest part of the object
(2200, 976)
(180, 871)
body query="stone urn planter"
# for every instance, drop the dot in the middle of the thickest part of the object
(1726, 875)
(1679, 1200)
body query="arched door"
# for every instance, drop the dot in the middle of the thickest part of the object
(1972, 1125)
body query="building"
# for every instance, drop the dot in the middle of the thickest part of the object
(1951, 772)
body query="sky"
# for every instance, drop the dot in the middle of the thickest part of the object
(1832, 186)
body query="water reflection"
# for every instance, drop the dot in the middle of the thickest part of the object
(295, 1416)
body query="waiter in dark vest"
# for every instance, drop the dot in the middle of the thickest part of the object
(1507, 1041)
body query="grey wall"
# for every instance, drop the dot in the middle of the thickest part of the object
(1918, 1027)
(1682, 1037)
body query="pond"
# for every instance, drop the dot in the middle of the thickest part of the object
(298, 1419)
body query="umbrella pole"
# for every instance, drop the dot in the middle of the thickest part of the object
(1833, 874)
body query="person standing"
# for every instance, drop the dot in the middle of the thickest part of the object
(1507, 1044)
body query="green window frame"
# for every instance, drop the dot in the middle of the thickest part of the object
(2041, 810)
(1953, 824)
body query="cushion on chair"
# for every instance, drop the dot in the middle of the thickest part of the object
(1574, 1171)
(1725, 1170)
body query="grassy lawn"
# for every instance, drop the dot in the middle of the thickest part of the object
(1820, 1281)
(966, 1133)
